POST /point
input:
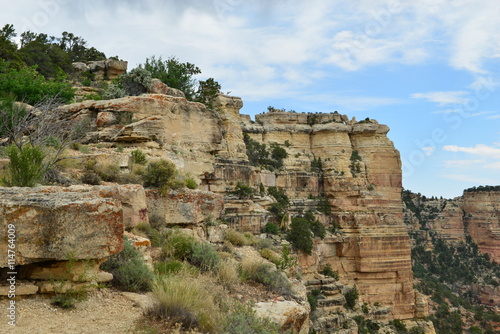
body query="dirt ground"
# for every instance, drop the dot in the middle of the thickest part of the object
(105, 311)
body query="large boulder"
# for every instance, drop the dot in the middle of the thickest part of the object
(58, 225)
(184, 207)
(289, 315)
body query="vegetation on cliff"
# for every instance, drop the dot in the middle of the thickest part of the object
(449, 273)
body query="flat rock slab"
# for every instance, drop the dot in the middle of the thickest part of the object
(54, 223)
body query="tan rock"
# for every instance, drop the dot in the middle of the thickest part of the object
(184, 207)
(115, 68)
(158, 87)
(54, 225)
(289, 315)
(21, 289)
(482, 221)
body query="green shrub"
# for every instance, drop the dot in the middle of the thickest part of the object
(328, 271)
(264, 243)
(174, 73)
(235, 238)
(158, 238)
(136, 82)
(130, 273)
(242, 319)
(162, 174)
(207, 92)
(75, 146)
(67, 299)
(191, 183)
(264, 273)
(300, 235)
(204, 256)
(179, 246)
(287, 259)
(138, 157)
(26, 167)
(312, 298)
(243, 191)
(29, 86)
(182, 298)
(271, 228)
(168, 267)
(316, 227)
(351, 297)
(270, 255)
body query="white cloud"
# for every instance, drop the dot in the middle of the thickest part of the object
(443, 97)
(459, 163)
(493, 117)
(494, 165)
(429, 150)
(480, 149)
(469, 178)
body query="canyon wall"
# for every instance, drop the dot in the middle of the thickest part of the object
(350, 166)
(475, 214)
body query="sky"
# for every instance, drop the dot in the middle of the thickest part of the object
(429, 69)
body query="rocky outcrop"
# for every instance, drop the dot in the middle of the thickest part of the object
(475, 214)
(102, 69)
(185, 132)
(291, 316)
(360, 177)
(158, 87)
(482, 221)
(184, 207)
(351, 166)
(51, 224)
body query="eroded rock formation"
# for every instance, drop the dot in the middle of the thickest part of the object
(357, 173)
(475, 214)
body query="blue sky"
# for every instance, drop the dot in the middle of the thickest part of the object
(429, 69)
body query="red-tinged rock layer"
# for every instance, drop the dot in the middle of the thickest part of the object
(482, 220)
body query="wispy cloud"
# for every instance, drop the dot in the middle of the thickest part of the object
(461, 163)
(443, 98)
(480, 149)
(469, 178)
(494, 165)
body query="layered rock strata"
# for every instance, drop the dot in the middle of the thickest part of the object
(359, 177)
(475, 214)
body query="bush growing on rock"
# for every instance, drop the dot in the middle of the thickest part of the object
(162, 174)
(187, 299)
(25, 168)
(242, 319)
(235, 238)
(129, 270)
(138, 157)
(300, 235)
(264, 273)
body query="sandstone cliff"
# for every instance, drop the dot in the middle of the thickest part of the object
(350, 167)
(475, 214)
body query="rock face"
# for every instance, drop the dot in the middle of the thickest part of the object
(184, 207)
(357, 174)
(51, 224)
(475, 214)
(103, 69)
(360, 178)
(289, 315)
(482, 221)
